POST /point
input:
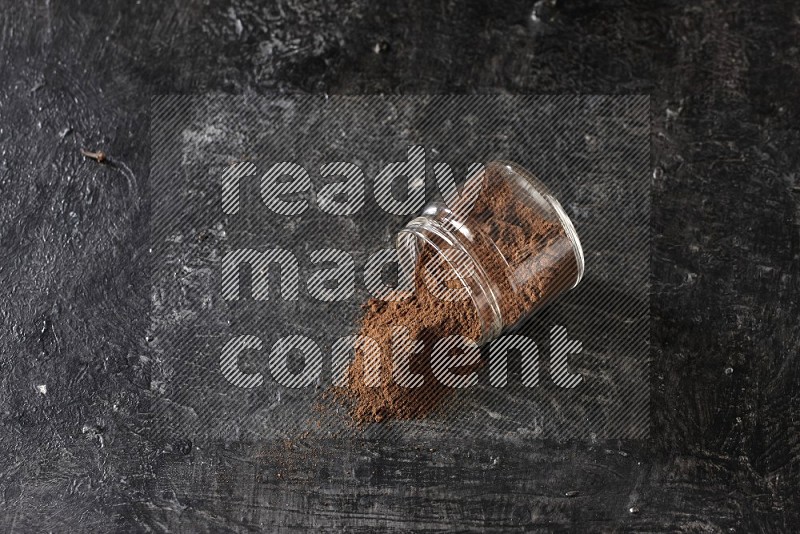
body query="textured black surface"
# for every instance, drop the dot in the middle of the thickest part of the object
(725, 451)
(595, 154)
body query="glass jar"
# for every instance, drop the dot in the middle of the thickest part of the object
(506, 239)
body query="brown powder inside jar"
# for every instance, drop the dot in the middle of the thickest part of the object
(533, 264)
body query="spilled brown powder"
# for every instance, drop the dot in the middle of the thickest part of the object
(537, 265)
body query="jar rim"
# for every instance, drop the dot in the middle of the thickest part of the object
(428, 230)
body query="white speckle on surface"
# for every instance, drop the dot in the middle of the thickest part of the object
(94, 432)
(542, 10)
(237, 23)
(729, 370)
(42, 388)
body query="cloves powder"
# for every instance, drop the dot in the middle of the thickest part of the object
(542, 266)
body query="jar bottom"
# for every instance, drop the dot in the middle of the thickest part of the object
(572, 235)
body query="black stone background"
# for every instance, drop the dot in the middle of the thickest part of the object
(725, 448)
(594, 152)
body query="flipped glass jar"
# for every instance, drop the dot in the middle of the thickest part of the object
(505, 240)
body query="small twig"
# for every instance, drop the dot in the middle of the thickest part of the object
(99, 156)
